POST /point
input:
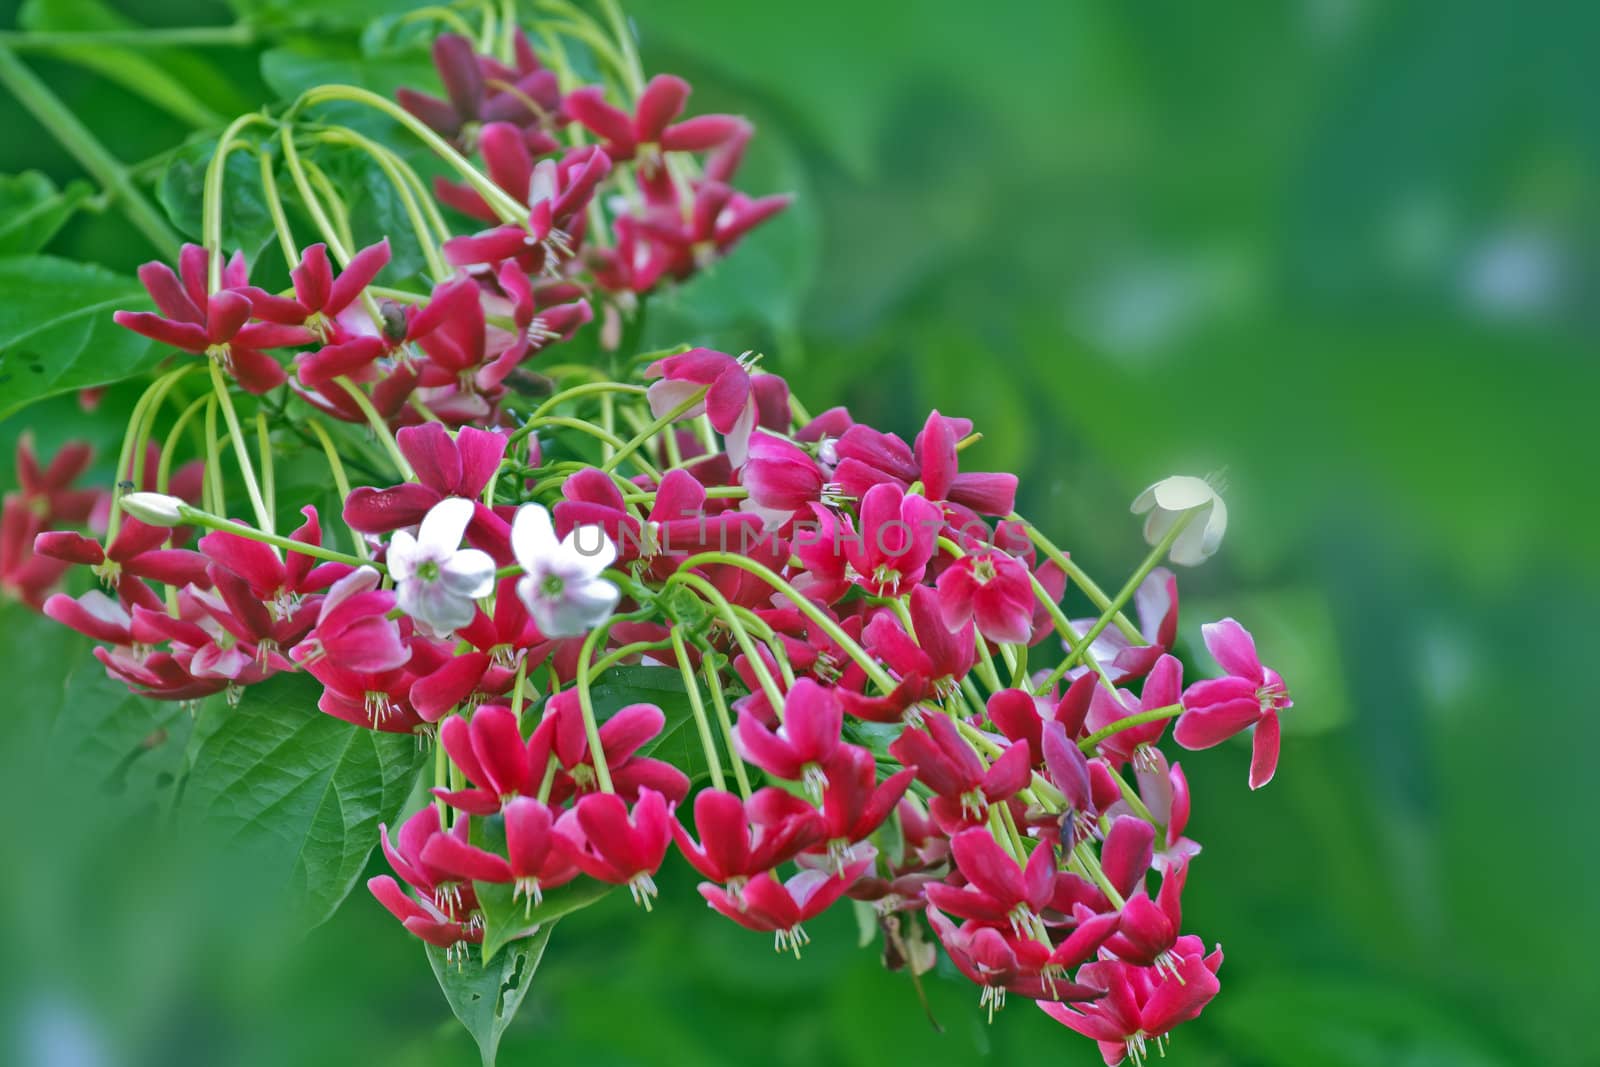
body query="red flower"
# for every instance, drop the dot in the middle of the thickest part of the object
(611, 845)
(319, 297)
(993, 590)
(947, 764)
(739, 840)
(1140, 1004)
(998, 889)
(766, 904)
(650, 130)
(799, 748)
(1108, 707)
(445, 466)
(216, 325)
(1250, 695)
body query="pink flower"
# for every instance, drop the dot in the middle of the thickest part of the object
(739, 840)
(780, 477)
(729, 401)
(319, 297)
(650, 130)
(1139, 1004)
(998, 889)
(947, 764)
(1249, 695)
(1136, 743)
(611, 845)
(799, 748)
(137, 552)
(353, 628)
(766, 904)
(216, 325)
(896, 540)
(445, 467)
(992, 589)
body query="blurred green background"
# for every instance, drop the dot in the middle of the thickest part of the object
(1343, 249)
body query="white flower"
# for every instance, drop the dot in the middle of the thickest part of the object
(1169, 500)
(436, 580)
(562, 588)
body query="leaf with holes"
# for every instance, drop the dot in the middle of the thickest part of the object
(304, 790)
(486, 996)
(56, 332)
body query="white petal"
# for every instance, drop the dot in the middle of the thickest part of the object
(665, 396)
(1182, 492)
(102, 607)
(737, 440)
(533, 537)
(360, 580)
(587, 550)
(403, 556)
(445, 524)
(435, 607)
(468, 573)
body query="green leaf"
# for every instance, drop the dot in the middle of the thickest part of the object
(56, 332)
(293, 68)
(309, 14)
(374, 205)
(174, 81)
(32, 210)
(486, 996)
(305, 788)
(246, 221)
(679, 742)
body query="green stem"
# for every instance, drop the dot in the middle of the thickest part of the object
(643, 437)
(1169, 711)
(340, 480)
(242, 454)
(237, 36)
(211, 202)
(501, 202)
(719, 604)
(725, 721)
(591, 727)
(83, 146)
(1090, 589)
(379, 428)
(198, 517)
(1157, 554)
(701, 722)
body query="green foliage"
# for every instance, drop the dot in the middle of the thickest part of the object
(307, 789)
(246, 221)
(188, 88)
(56, 331)
(32, 209)
(485, 995)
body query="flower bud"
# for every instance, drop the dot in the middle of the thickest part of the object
(157, 509)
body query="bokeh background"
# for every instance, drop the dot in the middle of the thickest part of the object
(1344, 250)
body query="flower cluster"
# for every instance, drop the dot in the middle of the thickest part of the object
(889, 701)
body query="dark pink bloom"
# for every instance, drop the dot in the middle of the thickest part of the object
(489, 749)
(729, 400)
(621, 737)
(450, 893)
(1139, 1005)
(930, 662)
(319, 297)
(280, 583)
(611, 845)
(739, 840)
(353, 628)
(1249, 695)
(422, 919)
(895, 541)
(1022, 716)
(993, 590)
(780, 477)
(1148, 930)
(799, 749)
(855, 803)
(1001, 964)
(1162, 689)
(1127, 854)
(46, 492)
(999, 890)
(718, 219)
(480, 89)
(766, 904)
(137, 552)
(947, 764)
(445, 466)
(650, 130)
(558, 193)
(216, 325)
